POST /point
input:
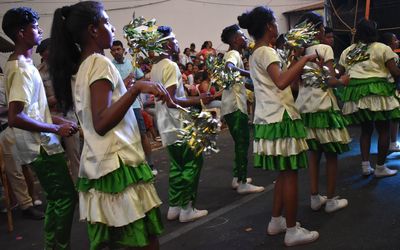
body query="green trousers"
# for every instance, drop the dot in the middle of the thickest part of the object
(184, 174)
(238, 127)
(52, 172)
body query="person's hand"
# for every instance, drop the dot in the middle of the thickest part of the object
(128, 81)
(67, 129)
(206, 98)
(156, 89)
(312, 58)
(345, 79)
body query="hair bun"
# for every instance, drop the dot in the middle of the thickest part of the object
(65, 11)
(244, 20)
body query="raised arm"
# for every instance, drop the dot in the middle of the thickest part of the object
(284, 79)
(107, 115)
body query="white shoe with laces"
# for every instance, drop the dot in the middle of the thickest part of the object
(235, 183)
(191, 214)
(37, 202)
(173, 213)
(383, 171)
(367, 170)
(317, 201)
(297, 236)
(335, 204)
(277, 225)
(394, 146)
(246, 188)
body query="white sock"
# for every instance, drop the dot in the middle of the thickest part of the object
(380, 166)
(365, 163)
(291, 230)
(276, 220)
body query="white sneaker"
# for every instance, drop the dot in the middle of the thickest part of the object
(154, 172)
(394, 147)
(235, 183)
(173, 213)
(246, 188)
(317, 201)
(298, 235)
(367, 170)
(278, 225)
(191, 214)
(335, 204)
(37, 202)
(383, 171)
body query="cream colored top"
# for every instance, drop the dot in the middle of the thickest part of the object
(314, 99)
(271, 102)
(23, 84)
(234, 98)
(390, 77)
(100, 154)
(167, 73)
(374, 67)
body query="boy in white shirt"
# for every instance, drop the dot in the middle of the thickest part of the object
(33, 128)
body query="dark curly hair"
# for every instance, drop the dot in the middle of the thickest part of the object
(256, 20)
(229, 32)
(18, 18)
(366, 31)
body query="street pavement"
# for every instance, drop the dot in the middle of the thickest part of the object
(371, 221)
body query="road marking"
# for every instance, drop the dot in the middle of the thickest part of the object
(192, 225)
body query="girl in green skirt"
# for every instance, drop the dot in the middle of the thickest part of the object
(326, 128)
(279, 135)
(369, 98)
(116, 193)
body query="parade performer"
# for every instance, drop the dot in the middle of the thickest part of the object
(116, 193)
(234, 109)
(185, 165)
(391, 40)
(32, 127)
(369, 98)
(326, 128)
(279, 135)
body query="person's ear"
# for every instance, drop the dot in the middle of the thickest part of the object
(20, 34)
(93, 30)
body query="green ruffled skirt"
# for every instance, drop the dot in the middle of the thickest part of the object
(369, 99)
(135, 181)
(280, 146)
(326, 131)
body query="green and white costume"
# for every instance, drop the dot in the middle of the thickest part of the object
(43, 151)
(369, 95)
(185, 166)
(279, 133)
(325, 125)
(116, 193)
(234, 110)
